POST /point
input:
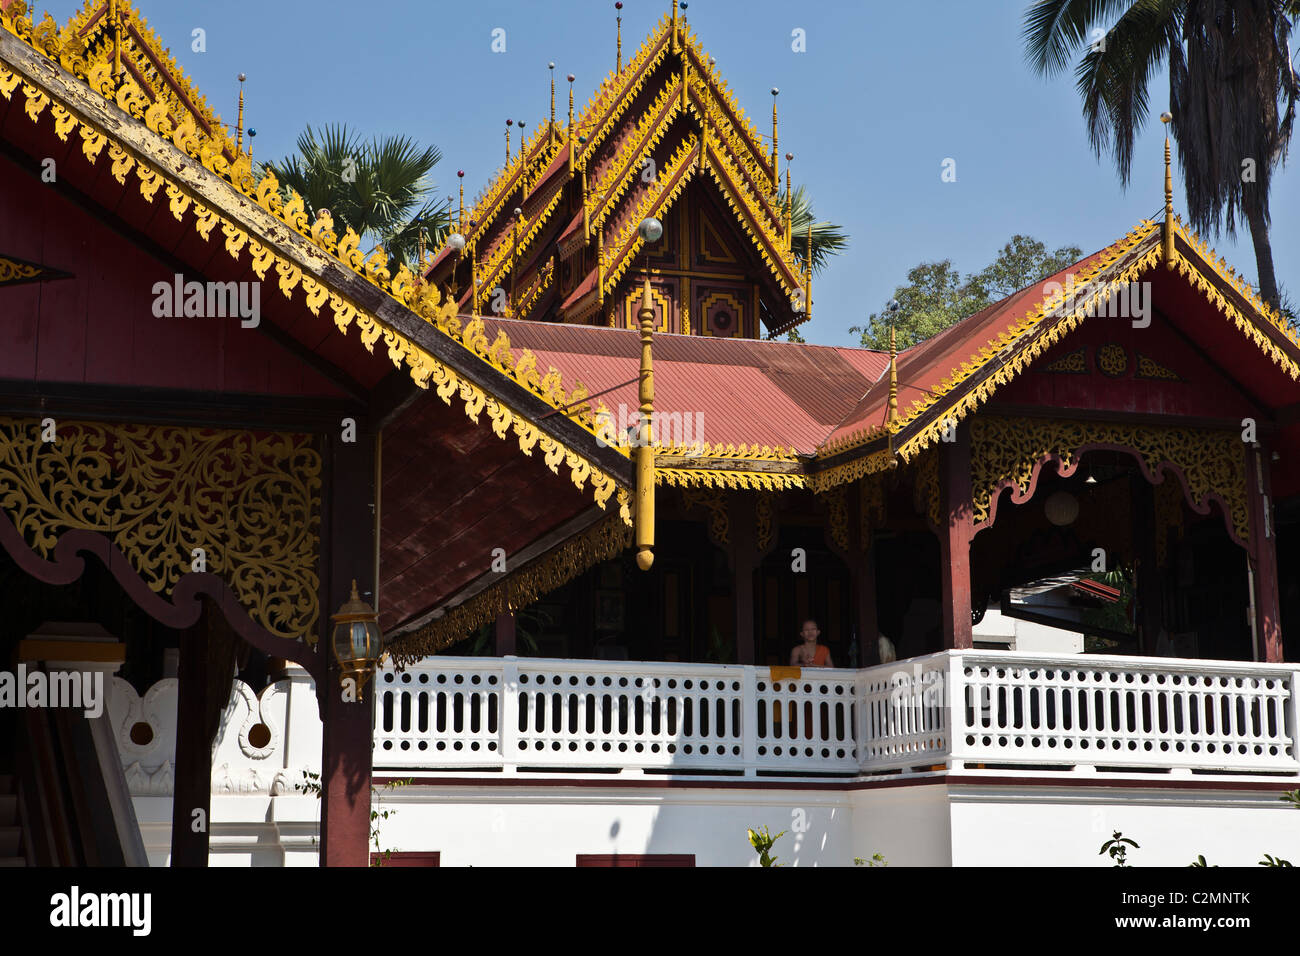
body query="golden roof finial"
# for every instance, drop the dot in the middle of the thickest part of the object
(645, 459)
(460, 215)
(776, 173)
(789, 204)
(573, 146)
(509, 123)
(807, 271)
(117, 38)
(893, 374)
(1167, 230)
(675, 40)
(551, 135)
(618, 58)
(239, 122)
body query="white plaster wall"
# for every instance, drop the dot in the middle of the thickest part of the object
(1040, 826)
(908, 826)
(550, 826)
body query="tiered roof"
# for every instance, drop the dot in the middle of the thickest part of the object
(580, 186)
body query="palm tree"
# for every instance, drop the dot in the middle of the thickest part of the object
(828, 239)
(381, 188)
(1232, 91)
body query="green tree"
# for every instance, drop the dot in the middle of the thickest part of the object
(935, 296)
(380, 188)
(1232, 92)
(828, 239)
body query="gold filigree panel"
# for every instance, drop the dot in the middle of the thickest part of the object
(763, 519)
(715, 501)
(925, 491)
(1008, 449)
(251, 501)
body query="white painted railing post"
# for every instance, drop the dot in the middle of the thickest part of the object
(1293, 715)
(508, 728)
(749, 720)
(954, 710)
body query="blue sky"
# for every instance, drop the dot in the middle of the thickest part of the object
(883, 95)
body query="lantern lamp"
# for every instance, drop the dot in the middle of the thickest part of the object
(358, 643)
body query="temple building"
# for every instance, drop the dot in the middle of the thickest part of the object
(569, 473)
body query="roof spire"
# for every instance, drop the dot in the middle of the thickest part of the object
(807, 274)
(776, 174)
(460, 215)
(618, 60)
(239, 123)
(1167, 230)
(573, 147)
(551, 133)
(789, 201)
(509, 123)
(893, 374)
(675, 40)
(117, 38)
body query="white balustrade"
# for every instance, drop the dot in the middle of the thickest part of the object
(943, 710)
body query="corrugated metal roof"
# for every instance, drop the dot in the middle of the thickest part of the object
(745, 391)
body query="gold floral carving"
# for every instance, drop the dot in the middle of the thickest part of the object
(187, 130)
(715, 501)
(1112, 359)
(13, 271)
(1151, 369)
(250, 500)
(603, 540)
(1169, 514)
(837, 508)
(925, 490)
(1006, 451)
(763, 522)
(871, 508)
(1071, 363)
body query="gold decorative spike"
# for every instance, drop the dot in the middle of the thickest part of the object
(686, 79)
(645, 460)
(508, 125)
(586, 206)
(600, 266)
(460, 214)
(117, 39)
(776, 175)
(1167, 228)
(893, 376)
(550, 133)
(473, 280)
(618, 57)
(676, 39)
(573, 130)
(239, 128)
(789, 205)
(807, 274)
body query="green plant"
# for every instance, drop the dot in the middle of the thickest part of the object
(1117, 846)
(762, 842)
(1270, 860)
(876, 860)
(311, 784)
(1200, 862)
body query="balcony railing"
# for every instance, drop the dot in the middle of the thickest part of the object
(944, 710)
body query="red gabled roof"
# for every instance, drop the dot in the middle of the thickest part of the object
(927, 364)
(747, 391)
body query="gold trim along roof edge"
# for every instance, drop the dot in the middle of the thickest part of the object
(59, 75)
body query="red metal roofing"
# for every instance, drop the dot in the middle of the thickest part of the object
(928, 363)
(746, 391)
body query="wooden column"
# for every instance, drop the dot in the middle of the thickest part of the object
(955, 538)
(1149, 592)
(204, 674)
(743, 552)
(1263, 554)
(504, 633)
(347, 735)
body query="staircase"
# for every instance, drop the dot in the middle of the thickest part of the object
(13, 843)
